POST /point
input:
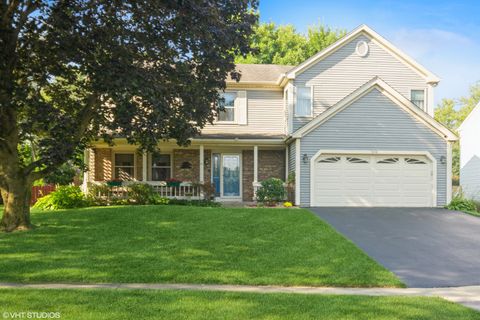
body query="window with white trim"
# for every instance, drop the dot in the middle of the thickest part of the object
(226, 113)
(303, 105)
(161, 167)
(418, 98)
(125, 166)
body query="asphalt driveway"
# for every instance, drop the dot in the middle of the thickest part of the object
(425, 247)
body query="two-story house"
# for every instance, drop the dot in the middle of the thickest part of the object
(353, 124)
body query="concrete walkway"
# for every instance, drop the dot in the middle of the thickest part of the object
(468, 296)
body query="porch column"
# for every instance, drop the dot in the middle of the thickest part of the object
(144, 166)
(255, 172)
(86, 160)
(202, 160)
(255, 164)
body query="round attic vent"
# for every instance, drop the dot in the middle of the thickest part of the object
(362, 48)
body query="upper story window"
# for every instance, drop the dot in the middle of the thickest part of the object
(228, 104)
(161, 167)
(303, 105)
(124, 166)
(418, 98)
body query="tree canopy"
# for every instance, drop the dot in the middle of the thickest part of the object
(452, 113)
(72, 71)
(282, 44)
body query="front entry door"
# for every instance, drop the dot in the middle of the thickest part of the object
(231, 175)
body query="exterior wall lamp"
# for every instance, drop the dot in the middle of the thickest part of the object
(305, 158)
(443, 160)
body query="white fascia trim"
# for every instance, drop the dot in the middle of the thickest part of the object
(389, 92)
(374, 152)
(297, 172)
(429, 76)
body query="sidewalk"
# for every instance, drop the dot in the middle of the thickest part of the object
(468, 296)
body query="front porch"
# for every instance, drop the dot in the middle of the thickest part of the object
(232, 171)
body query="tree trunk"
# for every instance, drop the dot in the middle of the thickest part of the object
(16, 212)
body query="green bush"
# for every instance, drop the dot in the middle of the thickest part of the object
(141, 193)
(460, 203)
(271, 192)
(65, 197)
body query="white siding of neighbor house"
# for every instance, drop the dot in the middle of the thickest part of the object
(373, 122)
(343, 71)
(265, 115)
(470, 155)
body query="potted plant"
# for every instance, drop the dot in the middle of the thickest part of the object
(172, 182)
(114, 183)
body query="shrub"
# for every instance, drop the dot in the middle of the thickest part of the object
(271, 192)
(460, 203)
(141, 193)
(65, 197)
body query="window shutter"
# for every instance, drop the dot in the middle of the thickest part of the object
(241, 107)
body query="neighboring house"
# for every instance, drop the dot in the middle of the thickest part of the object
(470, 155)
(353, 124)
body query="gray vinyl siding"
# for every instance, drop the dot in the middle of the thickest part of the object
(265, 115)
(343, 71)
(470, 178)
(291, 157)
(373, 122)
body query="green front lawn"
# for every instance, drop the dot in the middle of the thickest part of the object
(121, 304)
(178, 244)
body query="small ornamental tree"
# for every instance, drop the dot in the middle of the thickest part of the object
(71, 71)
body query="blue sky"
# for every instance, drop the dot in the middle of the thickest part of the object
(444, 36)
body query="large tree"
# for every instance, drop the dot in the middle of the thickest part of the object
(71, 71)
(284, 45)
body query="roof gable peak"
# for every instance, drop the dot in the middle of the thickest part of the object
(385, 44)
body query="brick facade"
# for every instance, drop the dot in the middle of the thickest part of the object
(191, 157)
(271, 164)
(103, 164)
(247, 179)
(186, 162)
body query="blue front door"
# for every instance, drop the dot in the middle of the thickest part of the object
(231, 175)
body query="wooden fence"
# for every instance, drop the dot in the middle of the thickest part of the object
(40, 191)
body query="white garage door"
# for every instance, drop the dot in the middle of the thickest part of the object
(373, 180)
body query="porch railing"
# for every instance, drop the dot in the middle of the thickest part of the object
(184, 190)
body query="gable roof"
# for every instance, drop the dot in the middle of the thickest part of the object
(364, 29)
(389, 92)
(260, 73)
(470, 115)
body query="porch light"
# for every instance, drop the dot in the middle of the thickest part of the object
(443, 160)
(305, 158)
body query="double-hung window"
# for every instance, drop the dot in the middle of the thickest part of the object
(161, 167)
(227, 103)
(418, 98)
(303, 105)
(124, 166)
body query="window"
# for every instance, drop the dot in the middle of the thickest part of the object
(303, 107)
(388, 160)
(124, 166)
(418, 98)
(414, 161)
(227, 102)
(356, 160)
(329, 160)
(161, 167)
